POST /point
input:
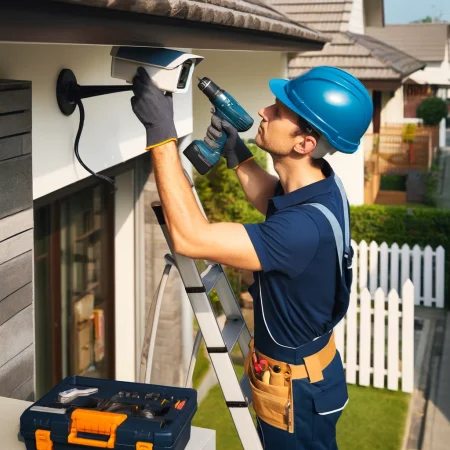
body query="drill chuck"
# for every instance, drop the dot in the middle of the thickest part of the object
(209, 88)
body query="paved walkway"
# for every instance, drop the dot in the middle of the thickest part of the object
(443, 197)
(437, 423)
(428, 421)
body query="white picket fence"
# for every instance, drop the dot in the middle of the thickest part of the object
(376, 339)
(386, 267)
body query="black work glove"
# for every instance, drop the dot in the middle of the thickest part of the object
(153, 109)
(234, 150)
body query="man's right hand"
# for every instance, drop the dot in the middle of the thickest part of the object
(235, 151)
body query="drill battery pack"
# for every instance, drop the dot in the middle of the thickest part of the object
(82, 413)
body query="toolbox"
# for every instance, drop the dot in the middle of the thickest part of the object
(85, 413)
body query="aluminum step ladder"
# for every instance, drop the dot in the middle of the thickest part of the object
(219, 343)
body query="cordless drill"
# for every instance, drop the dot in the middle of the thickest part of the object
(203, 157)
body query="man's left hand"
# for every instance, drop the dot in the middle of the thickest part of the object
(153, 109)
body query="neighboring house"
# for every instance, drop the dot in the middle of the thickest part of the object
(429, 42)
(381, 67)
(96, 258)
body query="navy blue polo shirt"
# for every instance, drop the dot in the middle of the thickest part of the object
(296, 246)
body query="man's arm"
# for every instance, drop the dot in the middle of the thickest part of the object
(193, 236)
(257, 183)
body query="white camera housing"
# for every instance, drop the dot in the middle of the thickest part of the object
(170, 70)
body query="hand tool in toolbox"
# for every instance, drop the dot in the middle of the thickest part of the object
(81, 413)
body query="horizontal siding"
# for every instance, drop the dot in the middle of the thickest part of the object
(16, 245)
(13, 101)
(25, 391)
(16, 335)
(16, 242)
(15, 302)
(11, 124)
(15, 185)
(16, 372)
(12, 225)
(15, 274)
(13, 146)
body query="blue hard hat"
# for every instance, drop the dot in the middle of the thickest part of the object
(332, 101)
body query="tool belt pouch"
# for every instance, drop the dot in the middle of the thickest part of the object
(272, 404)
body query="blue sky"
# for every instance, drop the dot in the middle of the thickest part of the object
(405, 11)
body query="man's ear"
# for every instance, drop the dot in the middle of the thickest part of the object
(305, 144)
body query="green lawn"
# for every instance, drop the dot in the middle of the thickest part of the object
(201, 366)
(374, 419)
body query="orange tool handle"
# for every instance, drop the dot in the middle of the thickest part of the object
(94, 422)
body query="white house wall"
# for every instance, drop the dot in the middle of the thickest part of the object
(112, 134)
(245, 75)
(350, 169)
(392, 108)
(356, 23)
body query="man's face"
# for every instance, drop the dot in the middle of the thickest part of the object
(278, 131)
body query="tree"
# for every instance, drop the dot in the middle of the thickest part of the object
(432, 110)
(427, 19)
(221, 193)
(430, 19)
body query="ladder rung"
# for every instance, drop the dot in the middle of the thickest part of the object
(237, 404)
(231, 332)
(211, 276)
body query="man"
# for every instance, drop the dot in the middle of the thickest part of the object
(300, 255)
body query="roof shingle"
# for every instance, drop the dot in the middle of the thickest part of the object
(325, 16)
(425, 41)
(247, 14)
(364, 57)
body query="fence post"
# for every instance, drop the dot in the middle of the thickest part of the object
(408, 337)
(365, 337)
(362, 265)
(393, 335)
(417, 271)
(406, 263)
(373, 272)
(428, 276)
(384, 266)
(440, 276)
(379, 339)
(339, 331)
(355, 266)
(351, 339)
(394, 267)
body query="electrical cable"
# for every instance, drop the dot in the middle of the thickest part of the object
(77, 141)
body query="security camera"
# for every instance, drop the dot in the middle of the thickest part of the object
(170, 70)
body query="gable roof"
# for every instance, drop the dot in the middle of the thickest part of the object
(425, 41)
(364, 57)
(253, 15)
(324, 15)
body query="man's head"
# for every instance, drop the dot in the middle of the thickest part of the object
(322, 111)
(283, 132)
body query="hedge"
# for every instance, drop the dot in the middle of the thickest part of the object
(403, 225)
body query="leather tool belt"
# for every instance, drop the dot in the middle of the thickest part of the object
(273, 402)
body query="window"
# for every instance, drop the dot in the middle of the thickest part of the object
(74, 287)
(413, 95)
